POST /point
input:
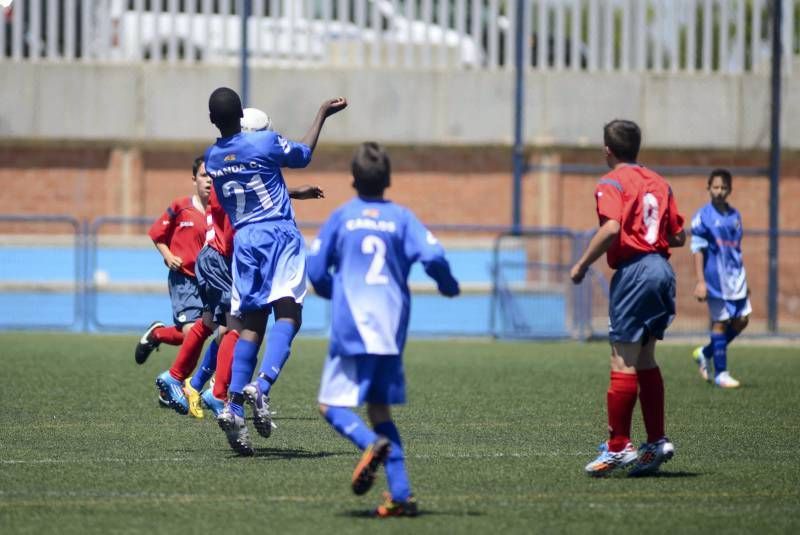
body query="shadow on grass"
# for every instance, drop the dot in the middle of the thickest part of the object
(425, 512)
(667, 475)
(276, 453)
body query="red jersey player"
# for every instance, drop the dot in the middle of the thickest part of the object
(179, 234)
(639, 222)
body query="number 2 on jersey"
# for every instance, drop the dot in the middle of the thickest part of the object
(650, 217)
(375, 246)
(255, 185)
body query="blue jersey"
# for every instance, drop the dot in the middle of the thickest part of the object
(370, 246)
(246, 172)
(719, 237)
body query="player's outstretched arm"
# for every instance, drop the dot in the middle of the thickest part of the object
(328, 108)
(598, 245)
(306, 192)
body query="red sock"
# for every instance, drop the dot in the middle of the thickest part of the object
(651, 395)
(621, 399)
(189, 353)
(224, 361)
(168, 335)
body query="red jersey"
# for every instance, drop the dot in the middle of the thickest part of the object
(642, 202)
(182, 228)
(219, 231)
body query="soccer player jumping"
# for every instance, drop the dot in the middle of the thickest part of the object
(721, 280)
(639, 222)
(370, 245)
(269, 263)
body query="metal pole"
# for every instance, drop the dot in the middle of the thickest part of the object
(246, 9)
(774, 165)
(519, 103)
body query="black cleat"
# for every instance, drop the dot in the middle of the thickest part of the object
(145, 346)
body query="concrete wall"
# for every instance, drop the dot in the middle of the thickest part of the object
(144, 104)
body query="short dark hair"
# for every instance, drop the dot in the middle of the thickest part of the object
(224, 107)
(724, 174)
(623, 138)
(371, 169)
(196, 164)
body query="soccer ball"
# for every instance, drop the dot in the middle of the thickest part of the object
(255, 120)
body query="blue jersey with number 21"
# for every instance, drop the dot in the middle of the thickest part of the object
(246, 172)
(370, 246)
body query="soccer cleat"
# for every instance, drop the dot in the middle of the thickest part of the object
(390, 507)
(651, 456)
(235, 431)
(703, 363)
(608, 461)
(724, 380)
(214, 405)
(193, 397)
(367, 467)
(145, 345)
(163, 403)
(172, 390)
(262, 418)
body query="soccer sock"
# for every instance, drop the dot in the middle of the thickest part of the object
(237, 404)
(224, 361)
(396, 475)
(168, 335)
(189, 352)
(245, 357)
(207, 367)
(730, 334)
(348, 424)
(651, 396)
(620, 400)
(720, 343)
(279, 345)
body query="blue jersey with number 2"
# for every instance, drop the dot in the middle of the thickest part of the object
(361, 262)
(246, 171)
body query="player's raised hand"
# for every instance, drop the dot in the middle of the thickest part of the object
(307, 192)
(333, 105)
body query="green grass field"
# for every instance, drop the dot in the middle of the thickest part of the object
(497, 435)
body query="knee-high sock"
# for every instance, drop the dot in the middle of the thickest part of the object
(651, 396)
(620, 401)
(189, 353)
(720, 345)
(348, 424)
(279, 345)
(168, 335)
(245, 357)
(396, 475)
(207, 366)
(224, 362)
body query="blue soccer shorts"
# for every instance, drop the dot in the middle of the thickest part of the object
(352, 381)
(269, 263)
(723, 310)
(641, 299)
(184, 292)
(215, 281)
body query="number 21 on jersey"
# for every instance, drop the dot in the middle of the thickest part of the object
(255, 185)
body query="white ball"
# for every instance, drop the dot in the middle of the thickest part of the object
(255, 120)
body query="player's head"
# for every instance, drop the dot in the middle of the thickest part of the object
(202, 182)
(371, 170)
(225, 109)
(622, 140)
(720, 185)
(255, 120)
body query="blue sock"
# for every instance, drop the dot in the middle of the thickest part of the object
(730, 334)
(396, 475)
(245, 358)
(207, 367)
(237, 409)
(279, 345)
(348, 424)
(720, 345)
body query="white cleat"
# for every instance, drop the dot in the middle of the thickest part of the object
(607, 461)
(704, 364)
(651, 456)
(724, 380)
